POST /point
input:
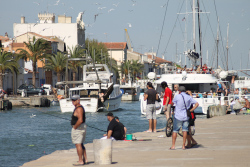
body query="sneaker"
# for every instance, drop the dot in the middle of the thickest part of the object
(232, 113)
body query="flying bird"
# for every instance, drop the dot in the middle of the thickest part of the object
(163, 6)
(97, 15)
(57, 2)
(100, 8)
(32, 116)
(116, 4)
(36, 3)
(110, 10)
(130, 10)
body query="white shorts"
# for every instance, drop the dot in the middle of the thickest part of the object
(78, 135)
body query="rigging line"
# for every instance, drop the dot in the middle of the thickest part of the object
(173, 27)
(208, 21)
(69, 120)
(181, 29)
(219, 30)
(162, 29)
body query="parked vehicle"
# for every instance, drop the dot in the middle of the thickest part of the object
(47, 88)
(30, 89)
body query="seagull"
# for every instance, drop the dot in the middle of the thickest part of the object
(36, 3)
(129, 25)
(116, 4)
(97, 15)
(130, 10)
(100, 8)
(110, 10)
(32, 116)
(57, 2)
(97, 4)
(163, 6)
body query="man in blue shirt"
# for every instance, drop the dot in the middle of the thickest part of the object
(180, 118)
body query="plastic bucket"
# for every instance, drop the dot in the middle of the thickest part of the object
(129, 137)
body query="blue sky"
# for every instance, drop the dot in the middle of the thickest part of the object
(146, 19)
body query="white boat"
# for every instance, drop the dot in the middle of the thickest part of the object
(94, 96)
(191, 81)
(130, 92)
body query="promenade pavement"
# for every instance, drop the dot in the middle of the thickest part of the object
(223, 141)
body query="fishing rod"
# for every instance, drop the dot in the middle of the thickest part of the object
(69, 120)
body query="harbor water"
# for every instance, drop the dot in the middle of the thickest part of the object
(27, 134)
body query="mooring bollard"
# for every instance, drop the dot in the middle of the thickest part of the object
(102, 151)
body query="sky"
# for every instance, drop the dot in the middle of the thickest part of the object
(153, 25)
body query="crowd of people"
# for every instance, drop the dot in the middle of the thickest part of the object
(199, 69)
(181, 101)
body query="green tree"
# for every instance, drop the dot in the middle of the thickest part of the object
(7, 62)
(99, 53)
(37, 49)
(76, 52)
(56, 63)
(136, 68)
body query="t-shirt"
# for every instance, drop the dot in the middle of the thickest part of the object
(122, 126)
(116, 128)
(180, 108)
(168, 93)
(151, 96)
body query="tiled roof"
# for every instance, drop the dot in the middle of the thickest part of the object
(41, 36)
(158, 59)
(115, 45)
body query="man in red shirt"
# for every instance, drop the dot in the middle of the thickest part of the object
(167, 99)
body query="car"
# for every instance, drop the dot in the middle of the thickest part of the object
(30, 89)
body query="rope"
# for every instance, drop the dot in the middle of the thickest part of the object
(173, 29)
(162, 29)
(69, 120)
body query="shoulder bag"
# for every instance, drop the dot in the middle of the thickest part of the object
(190, 114)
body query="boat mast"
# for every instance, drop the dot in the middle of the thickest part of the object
(217, 44)
(227, 44)
(194, 24)
(200, 35)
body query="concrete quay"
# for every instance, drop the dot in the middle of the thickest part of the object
(223, 141)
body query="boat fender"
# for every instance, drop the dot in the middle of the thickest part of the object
(122, 91)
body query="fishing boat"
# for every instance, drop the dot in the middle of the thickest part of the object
(130, 92)
(98, 93)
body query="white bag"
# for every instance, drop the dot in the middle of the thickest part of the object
(157, 105)
(237, 105)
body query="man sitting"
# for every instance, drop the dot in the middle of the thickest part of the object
(114, 130)
(124, 129)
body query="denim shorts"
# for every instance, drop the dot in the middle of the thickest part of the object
(178, 124)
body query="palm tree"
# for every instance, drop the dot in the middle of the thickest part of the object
(56, 63)
(76, 52)
(7, 62)
(37, 49)
(136, 67)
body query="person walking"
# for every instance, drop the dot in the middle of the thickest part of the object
(78, 132)
(180, 118)
(151, 96)
(167, 99)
